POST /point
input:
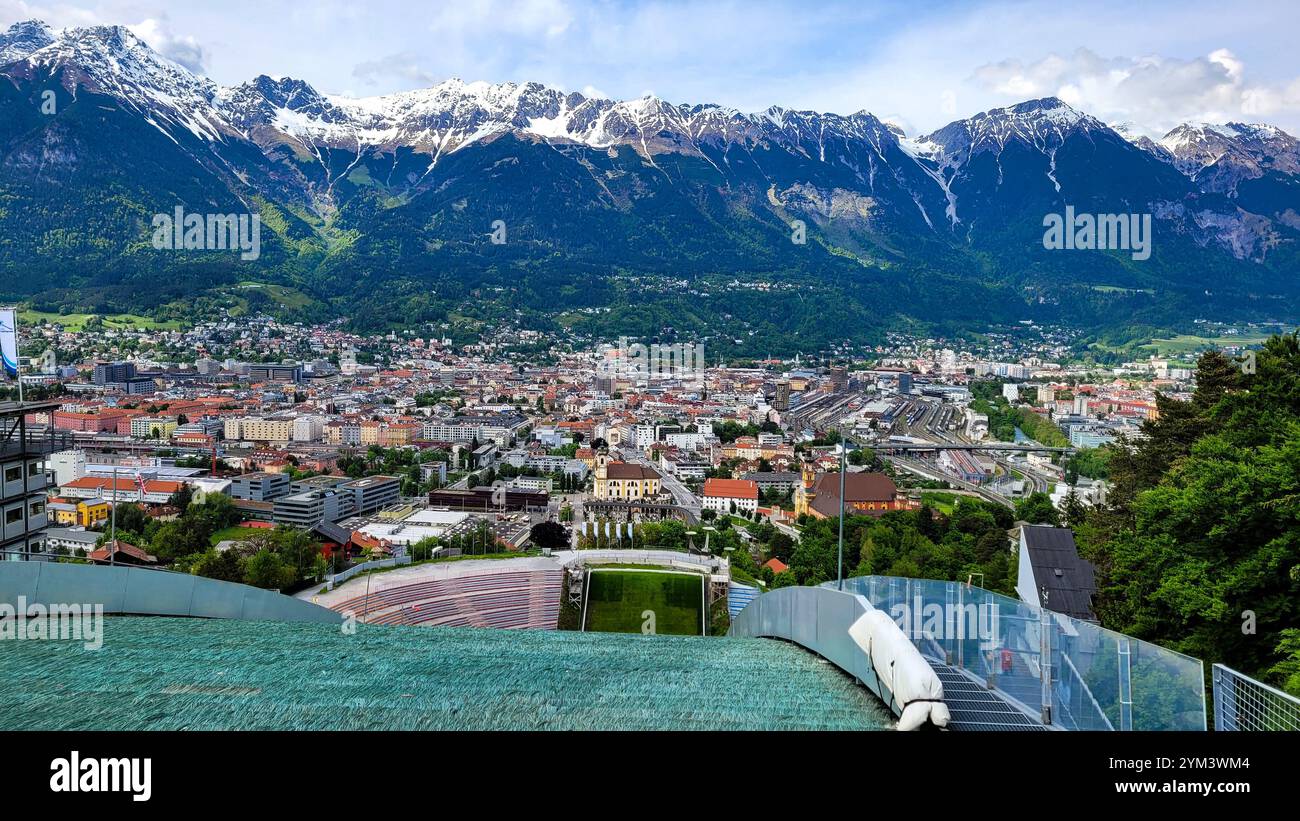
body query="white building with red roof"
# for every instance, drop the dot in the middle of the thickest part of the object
(722, 494)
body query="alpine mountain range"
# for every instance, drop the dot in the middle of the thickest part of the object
(620, 214)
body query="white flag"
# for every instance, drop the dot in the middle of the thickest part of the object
(9, 340)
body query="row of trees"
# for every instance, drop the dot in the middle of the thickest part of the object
(922, 543)
(278, 559)
(1198, 544)
(283, 558)
(190, 532)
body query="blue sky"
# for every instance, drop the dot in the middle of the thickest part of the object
(920, 64)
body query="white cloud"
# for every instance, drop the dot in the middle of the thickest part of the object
(57, 16)
(181, 49)
(155, 28)
(547, 18)
(1153, 64)
(948, 102)
(405, 66)
(1153, 91)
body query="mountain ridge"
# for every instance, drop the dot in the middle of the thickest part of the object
(397, 185)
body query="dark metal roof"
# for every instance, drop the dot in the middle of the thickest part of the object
(332, 532)
(1065, 582)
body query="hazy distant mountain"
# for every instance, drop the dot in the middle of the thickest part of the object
(386, 203)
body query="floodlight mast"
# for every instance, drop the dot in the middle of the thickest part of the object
(839, 570)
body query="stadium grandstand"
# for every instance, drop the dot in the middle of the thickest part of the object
(528, 599)
(739, 596)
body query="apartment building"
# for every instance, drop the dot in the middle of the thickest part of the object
(498, 428)
(308, 428)
(311, 507)
(343, 432)
(23, 517)
(536, 484)
(260, 487)
(152, 427)
(374, 492)
(259, 429)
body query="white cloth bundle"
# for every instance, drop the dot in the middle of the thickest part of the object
(901, 669)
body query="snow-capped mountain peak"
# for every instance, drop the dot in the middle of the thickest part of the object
(22, 39)
(1135, 135)
(1042, 124)
(1225, 154)
(113, 60)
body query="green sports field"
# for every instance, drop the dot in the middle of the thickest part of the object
(618, 601)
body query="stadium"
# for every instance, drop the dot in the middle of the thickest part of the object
(583, 639)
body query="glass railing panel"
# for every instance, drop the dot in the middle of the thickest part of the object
(1088, 677)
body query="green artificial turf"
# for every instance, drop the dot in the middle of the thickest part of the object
(620, 601)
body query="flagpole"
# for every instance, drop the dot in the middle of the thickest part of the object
(112, 538)
(839, 565)
(18, 360)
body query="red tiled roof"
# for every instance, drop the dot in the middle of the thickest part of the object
(123, 548)
(731, 488)
(124, 483)
(777, 565)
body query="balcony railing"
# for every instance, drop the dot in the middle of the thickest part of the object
(1073, 673)
(38, 442)
(1243, 704)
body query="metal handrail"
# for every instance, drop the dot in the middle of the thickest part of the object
(1244, 703)
(71, 559)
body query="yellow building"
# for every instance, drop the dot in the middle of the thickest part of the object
(869, 494)
(152, 427)
(370, 432)
(267, 430)
(621, 481)
(90, 513)
(86, 514)
(62, 513)
(258, 429)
